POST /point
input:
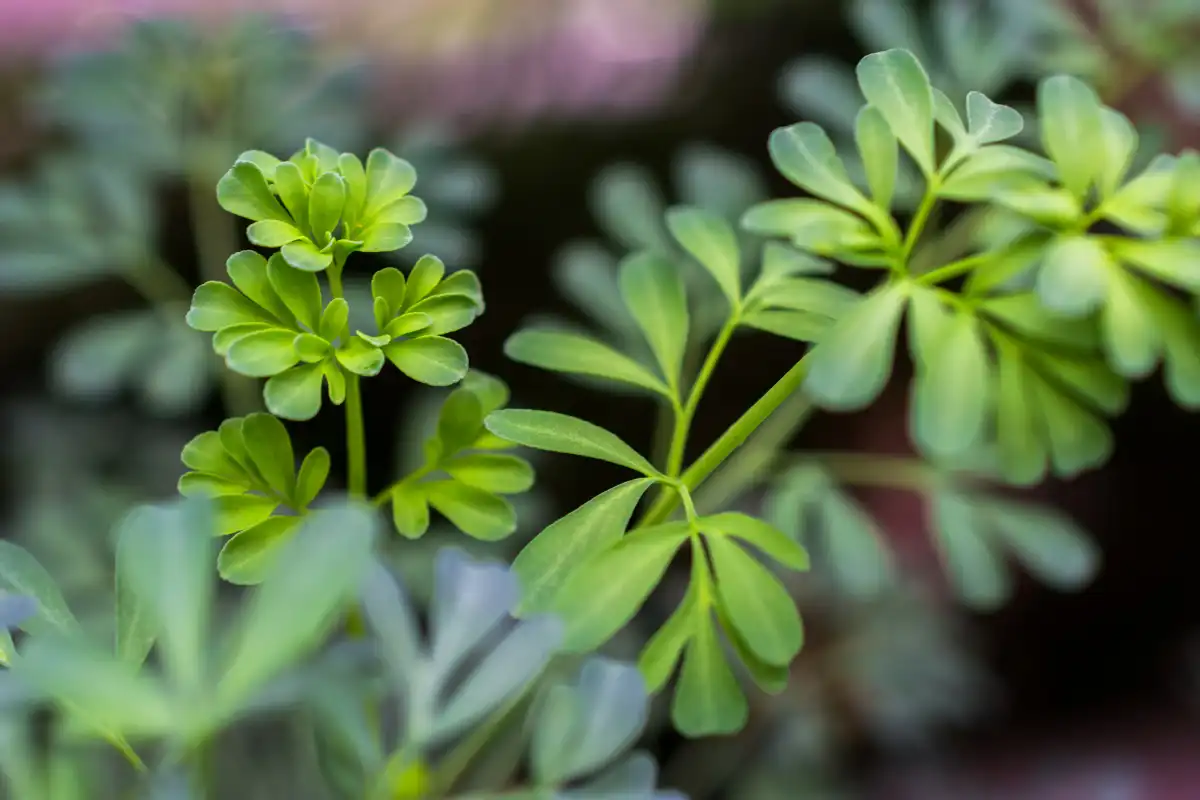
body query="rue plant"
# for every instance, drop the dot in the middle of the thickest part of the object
(1021, 351)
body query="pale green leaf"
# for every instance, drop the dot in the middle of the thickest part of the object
(895, 83)
(713, 243)
(432, 360)
(877, 147)
(653, 290)
(477, 513)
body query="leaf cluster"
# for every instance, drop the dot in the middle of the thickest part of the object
(464, 474)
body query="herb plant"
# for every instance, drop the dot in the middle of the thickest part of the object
(1021, 350)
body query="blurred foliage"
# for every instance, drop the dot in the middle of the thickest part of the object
(174, 104)
(481, 667)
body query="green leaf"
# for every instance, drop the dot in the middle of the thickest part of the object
(853, 545)
(991, 122)
(708, 700)
(475, 512)
(206, 453)
(335, 381)
(1174, 261)
(388, 179)
(879, 152)
(492, 472)
(295, 394)
(386, 238)
(976, 572)
(1078, 439)
(952, 391)
(895, 83)
(999, 171)
(805, 156)
(248, 271)
(460, 421)
(405, 211)
(1075, 275)
(758, 605)
(388, 284)
(851, 366)
(273, 233)
(410, 510)
(426, 274)
(810, 225)
(20, 573)
(217, 305)
(606, 591)
(314, 471)
(431, 360)
(270, 449)
(770, 540)
(173, 571)
(1132, 338)
(1119, 142)
(946, 114)
(1018, 426)
(546, 563)
(243, 191)
(569, 352)
(1071, 126)
(263, 354)
(560, 433)
(710, 240)
(334, 319)
(311, 348)
(800, 326)
(325, 203)
(293, 191)
(246, 557)
(301, 597)
(306, 256)
(360, 358)
(1047, 542)
(99, 689)
(299, 290)
(653, 290)
(355, 176)
(661, 653)
(445, 314)
(137, 625)
(238, 512)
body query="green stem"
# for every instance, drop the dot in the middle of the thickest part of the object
(356, 438)
(920, 219)
(158, 284)
(216, 240)
(685, 414)
(750, 463)
(954, 269)
(872, 469)
(731, 440)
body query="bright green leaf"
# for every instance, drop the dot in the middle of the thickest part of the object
(431, 360)
(295, 394)
(492, 472)
(560, 433)
(708, 700)
(606, 591)
(758, 605)
(1075, 275)
(475, 512)
(545, 564)
(569, 352)
(653, 290)
(247, 556)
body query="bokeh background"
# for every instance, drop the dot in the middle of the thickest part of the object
(547, 132)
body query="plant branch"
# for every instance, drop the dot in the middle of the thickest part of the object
(753, 461)
(685, 414)
(356, 439)
(731, 440)
(920, 219)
